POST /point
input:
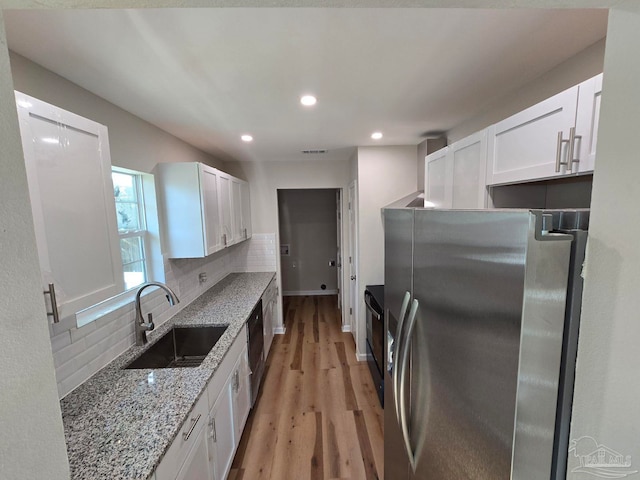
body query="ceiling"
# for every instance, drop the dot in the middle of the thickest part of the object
(208, 76)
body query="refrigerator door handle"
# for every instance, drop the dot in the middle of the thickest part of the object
(398, 349)
(403, 401)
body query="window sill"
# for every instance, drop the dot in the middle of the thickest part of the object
(99, 310)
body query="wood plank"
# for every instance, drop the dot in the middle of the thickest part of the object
(350, 396)
(365, 446)
(320, 419)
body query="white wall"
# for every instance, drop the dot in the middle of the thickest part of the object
(308, 224)
(31, 435)
(607, 389)
(385, 174)
(578, 68)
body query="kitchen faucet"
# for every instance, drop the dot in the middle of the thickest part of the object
(140, 326)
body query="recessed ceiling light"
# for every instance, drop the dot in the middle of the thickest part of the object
(51, 140)
(376, 135)
(246, 138)
(308, 100)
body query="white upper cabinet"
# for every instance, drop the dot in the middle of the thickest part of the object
(554, 138)
(189, 202)
(468, 159)
(69, 174)
(437, 181)
(455, 175)
(225, 205)
(587, 120)
(245, 198)
(199, 208)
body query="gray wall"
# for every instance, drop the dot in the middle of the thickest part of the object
(134, 143)
(578, 68)
(308, 224)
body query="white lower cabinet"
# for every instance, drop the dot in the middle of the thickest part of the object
(221, 433)
(197, 466)
(184, 455)
(207, 442)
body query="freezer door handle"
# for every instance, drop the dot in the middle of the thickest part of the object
(398, 342)
(403, 401)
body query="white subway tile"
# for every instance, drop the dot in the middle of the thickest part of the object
(60, 341)
(68, 353)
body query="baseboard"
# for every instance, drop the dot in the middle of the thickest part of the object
(346, 328)
(304, 293)
(361, 357)
(280, 330)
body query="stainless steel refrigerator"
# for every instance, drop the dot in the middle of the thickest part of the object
(482, 314)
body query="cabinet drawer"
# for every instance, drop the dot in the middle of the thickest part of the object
(216, 384)
(177, 453)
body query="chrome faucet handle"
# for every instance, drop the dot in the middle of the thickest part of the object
(149, 325)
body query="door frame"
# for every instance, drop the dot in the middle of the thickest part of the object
(353, 300)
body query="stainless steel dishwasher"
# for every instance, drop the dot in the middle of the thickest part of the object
(256, 349)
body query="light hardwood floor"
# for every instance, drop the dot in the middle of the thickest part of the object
(317, 415)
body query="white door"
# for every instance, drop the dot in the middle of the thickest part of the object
(525, 146)
(353, 255)
(339, 249)
(210, 210)
(438, 178)
(69, 173)
(468, 159)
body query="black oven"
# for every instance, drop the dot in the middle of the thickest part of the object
(374, 301)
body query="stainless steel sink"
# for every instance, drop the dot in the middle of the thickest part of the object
(179, 347)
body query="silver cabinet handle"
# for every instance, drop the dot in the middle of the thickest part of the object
(403, 365)
(572, 143)
(559, 152)
(54, 303)
(398, 341)
(194, 422)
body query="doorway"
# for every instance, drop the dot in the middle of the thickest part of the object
(309, 241)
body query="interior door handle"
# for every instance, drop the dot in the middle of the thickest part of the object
(353, 277)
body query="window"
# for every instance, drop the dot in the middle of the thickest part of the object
(127, 191)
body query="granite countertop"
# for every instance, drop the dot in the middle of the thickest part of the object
(119, 423)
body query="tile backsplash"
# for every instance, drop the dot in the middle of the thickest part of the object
(78, 353)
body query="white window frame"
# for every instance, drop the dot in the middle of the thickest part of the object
(141, 232)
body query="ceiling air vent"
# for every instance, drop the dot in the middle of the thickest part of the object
(316, 151)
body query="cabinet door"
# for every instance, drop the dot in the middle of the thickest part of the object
(210, 210)
(225, 205)
(246, 210)
(525, 146)
(69, 174)
(469, 159)
(241, 394)
(197, 466)
(587, 121)
(438, 179)
(222, 436)
(236, 211)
